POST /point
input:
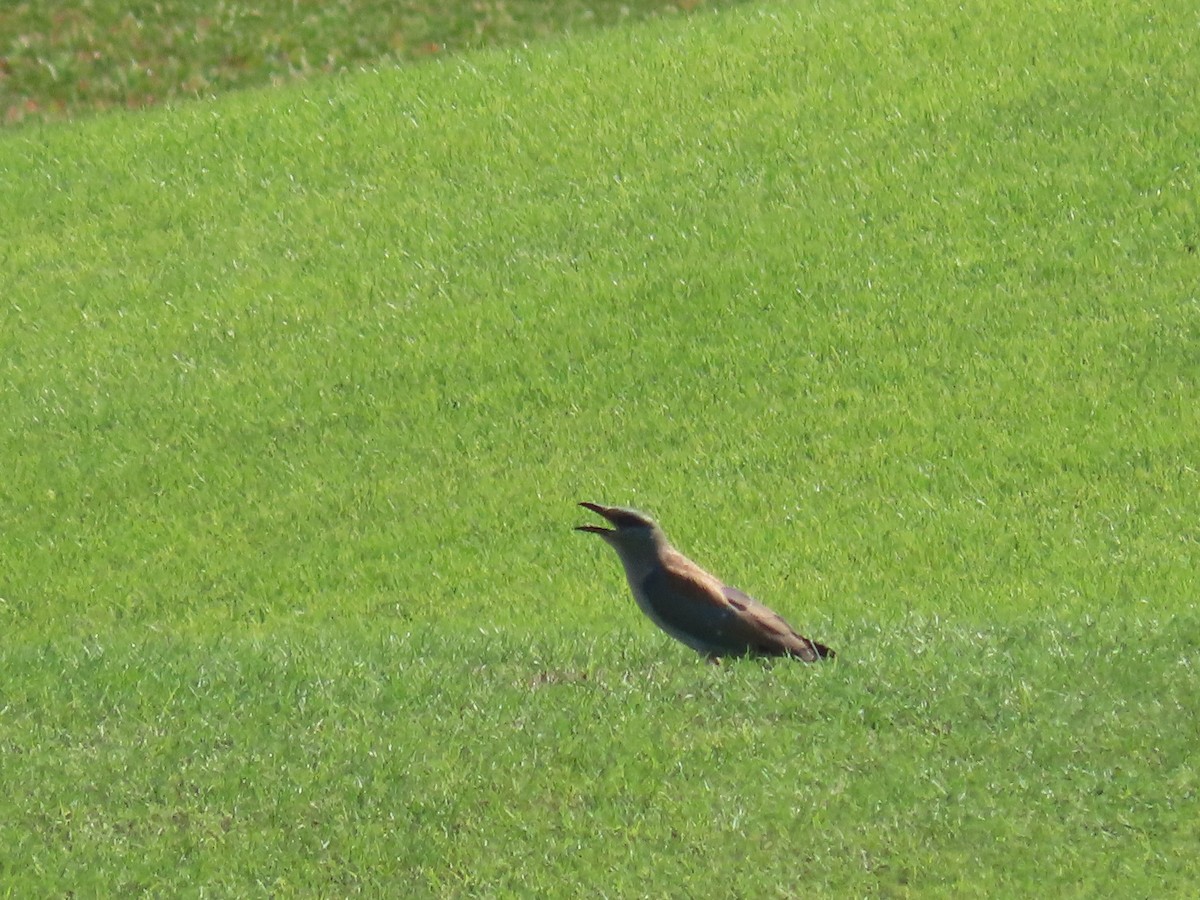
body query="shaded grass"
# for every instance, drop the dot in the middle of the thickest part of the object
(59, 59)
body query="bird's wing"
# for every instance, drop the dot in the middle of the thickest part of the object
(763, 617)
(766, 630)
(685, 599)
(698, 609)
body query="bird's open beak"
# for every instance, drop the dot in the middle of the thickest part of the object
(596, 529)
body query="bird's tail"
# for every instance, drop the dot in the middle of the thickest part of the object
(811, 651)
(822, 651)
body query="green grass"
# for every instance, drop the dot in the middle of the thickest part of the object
(60, 58)
(888, 313)
(425, 763)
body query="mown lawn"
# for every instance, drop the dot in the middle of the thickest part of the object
(888, 313)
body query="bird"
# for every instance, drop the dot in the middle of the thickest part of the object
(690, 604)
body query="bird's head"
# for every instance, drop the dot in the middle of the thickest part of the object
(633, 534)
